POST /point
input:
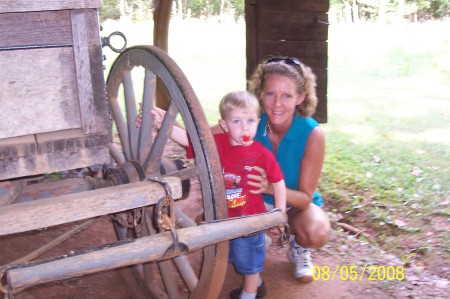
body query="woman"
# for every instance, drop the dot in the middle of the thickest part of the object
(285, 88)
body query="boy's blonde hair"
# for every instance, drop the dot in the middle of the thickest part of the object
(243, 100)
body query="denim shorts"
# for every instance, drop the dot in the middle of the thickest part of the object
(247, 254)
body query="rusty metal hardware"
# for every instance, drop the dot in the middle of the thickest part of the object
(165, 220)
(106, 41)
(284, 234)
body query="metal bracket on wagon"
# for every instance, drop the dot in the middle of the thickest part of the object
(165, 220)
(106, 41)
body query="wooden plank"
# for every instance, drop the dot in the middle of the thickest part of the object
(69, 140)
(37, 95)
(141, 250)
(35, 29)
(40, 5)
(322, 86)
(18, 147)
(51, 152)
(295, 28)
(54, 162)
(253, 56)
(319, 6)
(83, 72)
(288, 26)
(96, 61)
(83, 205)
(313, 53)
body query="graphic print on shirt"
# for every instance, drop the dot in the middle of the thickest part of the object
(235, 198)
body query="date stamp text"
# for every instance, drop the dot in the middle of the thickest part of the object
(374, 273)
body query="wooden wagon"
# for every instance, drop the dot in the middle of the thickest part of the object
(57, 113)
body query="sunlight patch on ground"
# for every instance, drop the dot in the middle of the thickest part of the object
(440, 136)
(358, 133)
(348, 111)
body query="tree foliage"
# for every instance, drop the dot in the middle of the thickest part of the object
(390, 10)
(341, 10)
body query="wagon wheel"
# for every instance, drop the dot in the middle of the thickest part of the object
(203, 278)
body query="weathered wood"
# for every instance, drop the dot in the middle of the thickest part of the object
(38, 92)
(35, 29)
(83, 72)
(290, 28)
(17, 147)
(141, 250)
(313, 53)
(321, 114)
(319, 6)
(52, 81)
(83, 205)
(39, 5)
(286, 26)
(51, 152)
(100, 103)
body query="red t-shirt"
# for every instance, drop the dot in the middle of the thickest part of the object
(237, 162)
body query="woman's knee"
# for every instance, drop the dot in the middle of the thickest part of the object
(311, 227)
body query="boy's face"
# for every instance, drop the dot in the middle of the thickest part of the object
(241, 125)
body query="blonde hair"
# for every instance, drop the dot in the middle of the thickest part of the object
(238, 100)
(304, 79)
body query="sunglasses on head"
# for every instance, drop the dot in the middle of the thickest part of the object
(290, 61)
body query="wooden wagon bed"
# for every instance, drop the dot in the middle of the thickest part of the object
(54, 113)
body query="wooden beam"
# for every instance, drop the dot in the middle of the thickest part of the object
(41, 5)
(83, 71)
(83, 205)
(141, 250)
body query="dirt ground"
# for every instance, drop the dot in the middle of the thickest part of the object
(340, 254)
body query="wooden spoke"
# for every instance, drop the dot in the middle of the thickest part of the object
(116, 153)
(153, 160)
(148, 98)
(131, 113)
(121, 126)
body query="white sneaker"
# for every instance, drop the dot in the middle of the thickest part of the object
(301, 258)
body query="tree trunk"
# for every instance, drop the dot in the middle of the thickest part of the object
(160, 39)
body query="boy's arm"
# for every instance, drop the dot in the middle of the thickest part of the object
(178, 134)
(279, 194)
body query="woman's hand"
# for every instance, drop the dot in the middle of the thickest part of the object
(260, 181)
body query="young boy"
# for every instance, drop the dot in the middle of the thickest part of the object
(239, 154)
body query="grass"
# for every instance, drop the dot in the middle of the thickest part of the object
(387, 161)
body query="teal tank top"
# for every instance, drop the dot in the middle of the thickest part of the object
(290, 151)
